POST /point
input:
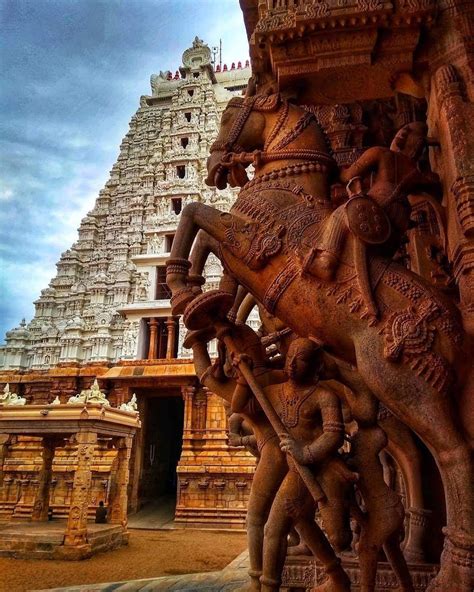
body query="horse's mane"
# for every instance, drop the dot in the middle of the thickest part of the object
(262, 103)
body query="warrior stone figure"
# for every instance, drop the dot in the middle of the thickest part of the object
(312, 413)
(406, 345)
(272, 466)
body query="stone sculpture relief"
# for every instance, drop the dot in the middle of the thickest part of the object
(92, 395)
(131, 406)
(10, 398)
(395, 338)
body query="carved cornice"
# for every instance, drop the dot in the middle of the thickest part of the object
(299, 39)
(281, 24)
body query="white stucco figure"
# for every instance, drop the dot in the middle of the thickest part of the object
(9, 398)
(131, 406)
(92, 395)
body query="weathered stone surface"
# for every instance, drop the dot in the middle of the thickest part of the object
(331, 267)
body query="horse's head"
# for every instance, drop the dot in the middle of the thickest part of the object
(262, 129)
(242, 131)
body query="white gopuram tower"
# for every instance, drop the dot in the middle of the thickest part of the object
(109, 300)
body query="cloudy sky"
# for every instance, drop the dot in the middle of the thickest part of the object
(72, 75)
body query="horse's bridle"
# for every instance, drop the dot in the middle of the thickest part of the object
(230, 145)
(234, 154)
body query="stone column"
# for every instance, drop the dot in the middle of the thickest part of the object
(137, 458)
(170, 345)
(188, 392)
(454, 124)
(153, 324)
(5, 440)
(76, 531)
(118, 504)
(417, 532)
(41, 503)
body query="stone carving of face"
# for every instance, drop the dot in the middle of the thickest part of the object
(410, 140)
(299, 360)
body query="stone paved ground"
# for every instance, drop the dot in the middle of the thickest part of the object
(231, 579)
(150, 554)
(155, 515)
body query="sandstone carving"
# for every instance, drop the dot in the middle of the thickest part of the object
(400, 336)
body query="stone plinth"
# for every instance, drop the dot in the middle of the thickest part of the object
(301, 573)
(55, 425)
(45, 540)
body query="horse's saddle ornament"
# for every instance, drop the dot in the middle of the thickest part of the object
(367, 220)
(252, 242)
(409, 331)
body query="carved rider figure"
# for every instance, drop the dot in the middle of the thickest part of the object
(408, 363)
(391, 173)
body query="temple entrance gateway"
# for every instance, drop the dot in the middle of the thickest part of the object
(163, 439)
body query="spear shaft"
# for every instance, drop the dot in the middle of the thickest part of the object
(305, 472)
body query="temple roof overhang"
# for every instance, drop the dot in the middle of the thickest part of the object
(170, 371)
(43, 420)
(61, 371)
(156, 370)
(326, 51)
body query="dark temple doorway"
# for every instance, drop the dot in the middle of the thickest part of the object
(163, 441)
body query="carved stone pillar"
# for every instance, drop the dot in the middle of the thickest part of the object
(41, 503)
(76, 531)
(5, 440)
(153, 324)
(451, 113)
(137, 458)
(170, 345)
(188, 393)
(118, 504)
(417, 533)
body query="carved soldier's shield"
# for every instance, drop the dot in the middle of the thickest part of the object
(367, 220)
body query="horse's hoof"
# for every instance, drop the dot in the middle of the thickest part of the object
(202, 335)
(206, 309)
(301, 549)
(180, 300)
(339, 584)
(336, 581)
(195, 281)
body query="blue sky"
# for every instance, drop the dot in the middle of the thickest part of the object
(72, 75)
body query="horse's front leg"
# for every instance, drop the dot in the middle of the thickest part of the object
(194, 217)
(203, 246)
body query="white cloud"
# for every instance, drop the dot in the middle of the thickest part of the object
(6, 194)
(71, 80)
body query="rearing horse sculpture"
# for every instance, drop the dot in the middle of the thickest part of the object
(410, 358)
